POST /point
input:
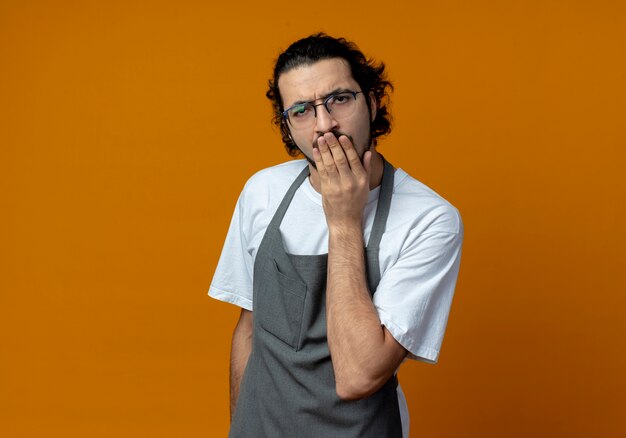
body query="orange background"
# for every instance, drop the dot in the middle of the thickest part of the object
(127, 130)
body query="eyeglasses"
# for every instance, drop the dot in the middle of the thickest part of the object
(340, 105)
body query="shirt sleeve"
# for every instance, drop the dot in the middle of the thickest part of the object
(232, 281)
(414, 295)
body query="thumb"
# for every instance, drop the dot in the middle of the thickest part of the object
(367, 163)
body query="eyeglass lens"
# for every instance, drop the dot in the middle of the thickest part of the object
(340, 106)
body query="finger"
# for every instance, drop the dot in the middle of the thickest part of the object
(319, 163)
(327, 159)
(367, 163)
(352, 155)
(339, 156)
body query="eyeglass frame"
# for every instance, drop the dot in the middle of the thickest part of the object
(315, 105)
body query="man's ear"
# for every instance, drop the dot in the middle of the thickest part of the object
(373, 105)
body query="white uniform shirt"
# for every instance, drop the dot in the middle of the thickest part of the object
(419, 255)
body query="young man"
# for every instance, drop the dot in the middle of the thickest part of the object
(343, 266)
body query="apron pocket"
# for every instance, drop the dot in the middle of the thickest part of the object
(281, 305)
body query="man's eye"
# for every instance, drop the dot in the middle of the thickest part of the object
(340, 98)
(300, 111)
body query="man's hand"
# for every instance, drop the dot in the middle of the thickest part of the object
(344, 180)
(363, 352)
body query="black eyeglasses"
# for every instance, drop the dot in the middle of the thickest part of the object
(340, 105)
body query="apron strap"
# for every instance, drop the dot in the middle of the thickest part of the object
(384, 203)
(382, 209)
(284, 205)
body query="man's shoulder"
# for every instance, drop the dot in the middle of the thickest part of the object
(272, 182)
(425, 205)
(278, 174)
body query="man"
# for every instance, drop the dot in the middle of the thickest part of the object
(343, 266)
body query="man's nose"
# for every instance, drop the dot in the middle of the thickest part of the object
(324, 121)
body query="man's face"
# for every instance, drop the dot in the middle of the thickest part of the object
(316, 81)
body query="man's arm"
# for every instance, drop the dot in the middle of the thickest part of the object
(364, 354)
(239, 353)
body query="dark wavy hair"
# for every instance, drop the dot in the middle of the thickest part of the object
(366, 72)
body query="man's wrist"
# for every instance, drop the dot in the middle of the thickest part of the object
(347, 230)
(345, 243)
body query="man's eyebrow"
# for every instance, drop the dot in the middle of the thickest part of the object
(335, 91)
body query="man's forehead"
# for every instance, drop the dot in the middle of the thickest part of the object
(312, 81)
